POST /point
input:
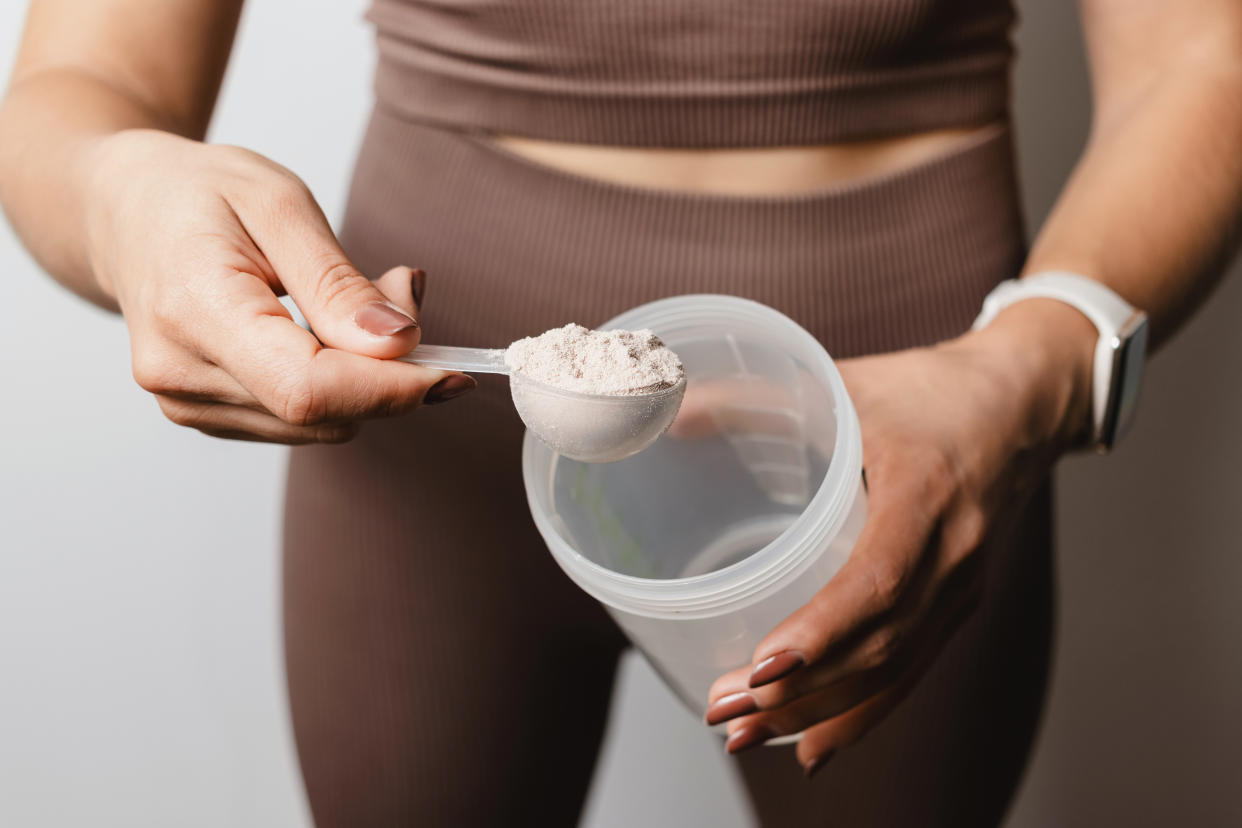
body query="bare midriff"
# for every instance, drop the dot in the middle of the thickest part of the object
(744, 171)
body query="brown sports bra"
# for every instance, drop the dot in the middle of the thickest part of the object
(695, 73)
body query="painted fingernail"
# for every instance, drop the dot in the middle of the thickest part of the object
(776, 667)
(812, 767)
(748, 737)
(454, 385)
(382, 320)
(730, 707)
(418, 286)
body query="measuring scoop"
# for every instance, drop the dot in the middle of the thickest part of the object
(592, 428)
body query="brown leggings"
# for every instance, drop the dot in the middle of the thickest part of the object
(442, 670)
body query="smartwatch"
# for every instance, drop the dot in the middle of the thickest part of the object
(1119, 354)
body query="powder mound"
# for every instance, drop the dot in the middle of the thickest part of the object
(614, 363)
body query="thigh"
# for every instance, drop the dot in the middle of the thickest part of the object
(952, 753)
(441, 668)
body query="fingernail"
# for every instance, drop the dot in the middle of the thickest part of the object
(454, 385)
(730, 707)
(418, 286)
(382, 320)
(812, 767)
(748, 737)
(775, 667)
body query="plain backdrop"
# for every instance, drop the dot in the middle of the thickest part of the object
(140, 673)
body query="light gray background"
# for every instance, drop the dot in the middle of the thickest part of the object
(140, 675)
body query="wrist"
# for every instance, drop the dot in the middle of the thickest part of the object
(1046, 348)
(110, 169)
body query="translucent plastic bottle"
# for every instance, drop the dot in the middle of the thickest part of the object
(701, 544)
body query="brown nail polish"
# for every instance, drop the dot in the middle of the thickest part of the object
(451, 386)
(730, 707)
(418, 286)
(748, 737)
(812, 767)
(776, 667)
(382, 320)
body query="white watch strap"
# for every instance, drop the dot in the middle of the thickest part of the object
(1106, 310)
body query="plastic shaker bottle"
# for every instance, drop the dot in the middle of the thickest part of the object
(704, 542)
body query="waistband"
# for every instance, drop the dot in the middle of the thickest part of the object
(513, 246)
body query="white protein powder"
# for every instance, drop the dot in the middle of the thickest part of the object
(613, 363)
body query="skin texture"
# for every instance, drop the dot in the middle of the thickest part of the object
(745, 171)
(103, 175)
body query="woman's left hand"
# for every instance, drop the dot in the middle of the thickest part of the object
(954, 438)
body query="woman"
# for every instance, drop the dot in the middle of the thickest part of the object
(847, 163)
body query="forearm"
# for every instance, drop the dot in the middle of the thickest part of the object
(1151, 211)
(1152, 208)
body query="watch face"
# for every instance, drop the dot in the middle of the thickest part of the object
(1128, 372)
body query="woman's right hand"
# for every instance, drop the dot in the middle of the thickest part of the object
(196, 242)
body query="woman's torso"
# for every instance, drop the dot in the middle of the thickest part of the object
(395, 589)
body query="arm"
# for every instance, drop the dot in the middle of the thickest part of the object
(955, 436)
(1152, 208)
(87, 70)
(104, 175)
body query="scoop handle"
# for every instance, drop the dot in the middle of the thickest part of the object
(452, 358)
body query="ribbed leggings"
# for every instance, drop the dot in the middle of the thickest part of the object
(442, 671)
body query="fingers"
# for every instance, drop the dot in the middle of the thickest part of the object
(344, 308)
(852, 625)
(820, 742)
(876, 626)
(236, 422)
(859, 700)
(923, 623)
(869, 586)
(166, 370)
(805, 711)
(302, 383)
(880, 649)
(238, 348)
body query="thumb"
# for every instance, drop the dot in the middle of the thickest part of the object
(344, 309)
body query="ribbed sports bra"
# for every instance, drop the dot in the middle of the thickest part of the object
(695, 73)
